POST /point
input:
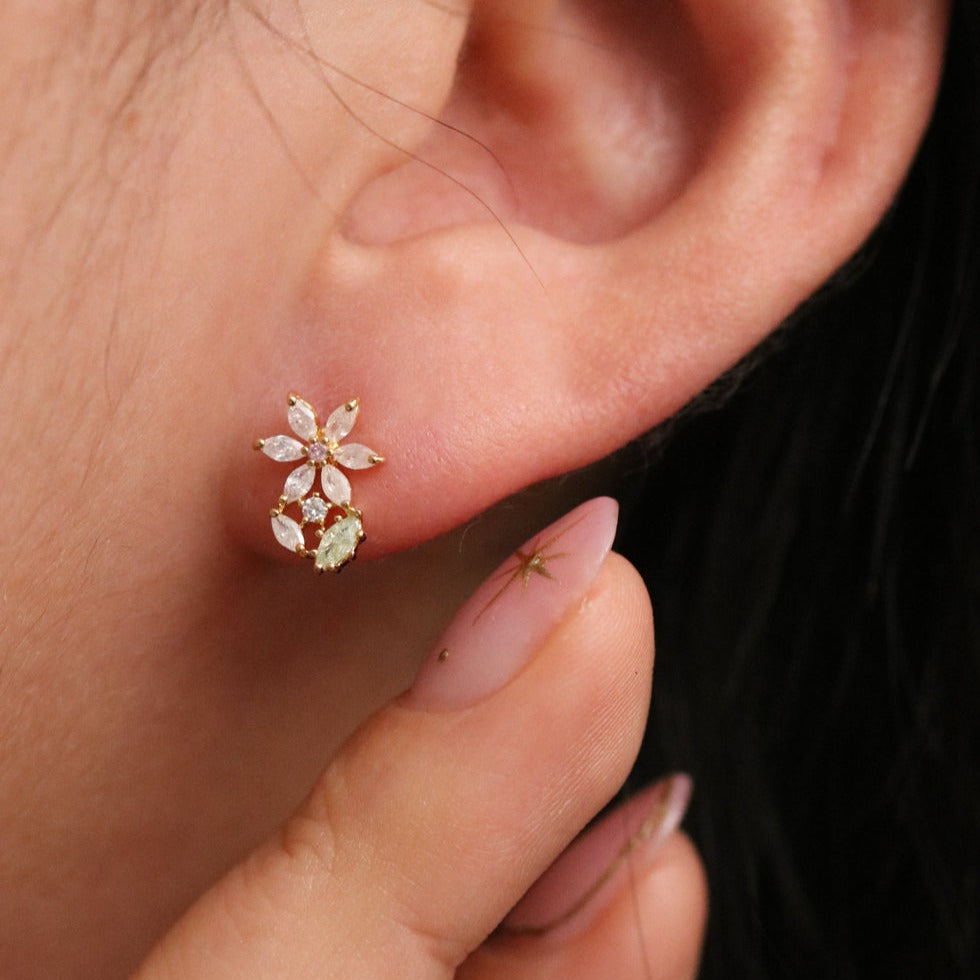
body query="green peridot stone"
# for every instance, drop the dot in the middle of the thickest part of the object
(338, 544)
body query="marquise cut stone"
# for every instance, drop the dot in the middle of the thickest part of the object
(302, 419)
(283, 449)
(288, 533)
(356, 457)
(338, 544)
(299, 483)
(336, 486)
(341, 421)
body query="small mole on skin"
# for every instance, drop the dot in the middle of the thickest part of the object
(443, 656)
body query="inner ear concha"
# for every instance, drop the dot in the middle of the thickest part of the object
(582, 122)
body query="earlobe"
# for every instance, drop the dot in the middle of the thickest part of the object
(626, 232)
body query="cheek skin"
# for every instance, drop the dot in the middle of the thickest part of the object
(177, 691)
(166, 696)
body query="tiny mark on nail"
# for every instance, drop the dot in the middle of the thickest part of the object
(443, 655)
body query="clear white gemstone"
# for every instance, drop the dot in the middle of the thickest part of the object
(338, 544)
(317, 452)
(288, 533)
(355, 456)
(283, 449)
(341, 421)
(299, 483)
(336, 486)
(302, 419)
(314, 510)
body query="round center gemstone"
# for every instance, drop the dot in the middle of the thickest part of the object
(318, 453)
(314, 510)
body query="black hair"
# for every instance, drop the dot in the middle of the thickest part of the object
(812, 546)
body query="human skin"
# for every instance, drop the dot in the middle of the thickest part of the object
(207, 205)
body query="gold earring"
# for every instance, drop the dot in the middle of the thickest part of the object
(319, 447)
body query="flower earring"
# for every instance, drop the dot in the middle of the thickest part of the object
(321, 451)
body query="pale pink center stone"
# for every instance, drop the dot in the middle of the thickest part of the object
(318, 453)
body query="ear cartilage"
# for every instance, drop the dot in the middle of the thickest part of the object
(320, 451)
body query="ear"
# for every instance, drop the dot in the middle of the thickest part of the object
(619, 200)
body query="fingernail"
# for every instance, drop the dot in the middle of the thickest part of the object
(508, 617)
(589, 874)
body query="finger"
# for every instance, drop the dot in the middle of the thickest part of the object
(627, 900)
(437, 816)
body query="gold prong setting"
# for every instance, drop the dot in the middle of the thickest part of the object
(322, 456)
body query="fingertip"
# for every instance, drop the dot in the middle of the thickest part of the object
(652, 929)
(628, 600)
(673, 908)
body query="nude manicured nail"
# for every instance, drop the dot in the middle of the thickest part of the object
(582, 882)
(508, 617)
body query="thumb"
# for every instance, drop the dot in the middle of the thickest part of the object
(440, 812)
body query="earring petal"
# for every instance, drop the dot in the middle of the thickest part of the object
(288, 533)
(302, 418)
(283, 449)
(299, 483)
(354, 456)
(341, 421)
(336, 486)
